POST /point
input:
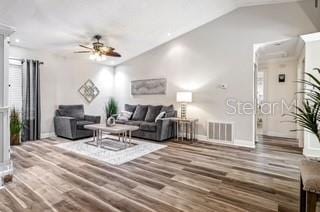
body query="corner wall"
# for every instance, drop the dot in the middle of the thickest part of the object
(220, 52)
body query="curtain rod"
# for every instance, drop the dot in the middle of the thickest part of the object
(22, 60)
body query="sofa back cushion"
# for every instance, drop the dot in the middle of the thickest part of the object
(75, 111)
(152, 113)
(140, 113)
(169, 110)
(130, 108)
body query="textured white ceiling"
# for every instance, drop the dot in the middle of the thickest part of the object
(130, 26)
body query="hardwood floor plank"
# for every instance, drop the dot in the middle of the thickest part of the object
(182, 177)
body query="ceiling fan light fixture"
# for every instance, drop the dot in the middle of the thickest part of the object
(98, 51)
(92, 57)
(100, 58)
(97, 57)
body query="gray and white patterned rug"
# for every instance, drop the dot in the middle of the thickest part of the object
(137, 149)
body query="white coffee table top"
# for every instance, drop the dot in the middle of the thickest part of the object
(118, 128)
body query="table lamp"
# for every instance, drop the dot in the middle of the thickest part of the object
(184, 97)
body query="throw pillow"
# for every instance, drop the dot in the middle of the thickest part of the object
(167, 108)
(124, 115)
(170, 114)
(152, 113)
(160, 116)
(140, 113)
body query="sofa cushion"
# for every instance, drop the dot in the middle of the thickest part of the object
(130, 108)
(148, 126)
(170, 112)
(76, 111)
(140, 113)
(82, 123)
(134, 123)
(167, 108)
(152, 113)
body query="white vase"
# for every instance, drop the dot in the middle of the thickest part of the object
(111, 121)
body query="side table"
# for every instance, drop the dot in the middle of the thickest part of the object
(186, 128)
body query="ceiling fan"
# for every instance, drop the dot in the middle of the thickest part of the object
(99, 51)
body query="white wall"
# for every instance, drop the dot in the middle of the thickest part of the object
(5, 31)
(218, 52)
(73, 73)
(60, 80)
(300, 96)
(276, 124)
(311, 144)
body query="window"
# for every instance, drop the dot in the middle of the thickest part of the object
(15, 85)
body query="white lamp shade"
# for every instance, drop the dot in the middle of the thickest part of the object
(184, 96)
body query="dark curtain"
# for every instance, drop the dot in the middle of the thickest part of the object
(31, 110)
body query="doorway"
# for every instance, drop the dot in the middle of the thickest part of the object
(278, 66)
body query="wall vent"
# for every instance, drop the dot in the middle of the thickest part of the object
(220, 131)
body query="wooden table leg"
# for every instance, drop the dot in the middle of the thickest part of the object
(302, 197)
(99, 137)
(125, 138)
(178, 130)
(311, 201)
(94, 136)
(130, 138)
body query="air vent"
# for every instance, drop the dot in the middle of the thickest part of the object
(220, 131)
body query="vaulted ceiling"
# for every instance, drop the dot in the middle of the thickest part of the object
(132, 27)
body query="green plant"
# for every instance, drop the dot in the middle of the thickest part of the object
(15, 127)
(111, 107)
(308, 115)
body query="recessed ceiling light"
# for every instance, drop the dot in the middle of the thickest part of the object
(169, 34)
(17, 40)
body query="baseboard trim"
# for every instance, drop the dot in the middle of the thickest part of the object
(280, 135)
(237, 142)
(47, 135)
(245, 143)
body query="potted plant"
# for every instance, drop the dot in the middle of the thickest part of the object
(15, 127)
(111, 109)
(308, 115)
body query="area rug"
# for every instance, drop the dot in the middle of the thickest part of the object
(137, 149)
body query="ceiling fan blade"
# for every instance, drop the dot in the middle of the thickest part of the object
(82, 52)
(83, 46)
(112, 54)
(106, 49)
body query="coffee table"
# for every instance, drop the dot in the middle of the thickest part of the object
(123, 131)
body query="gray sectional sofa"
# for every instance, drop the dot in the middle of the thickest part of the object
(144, 117)
(69, 122)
